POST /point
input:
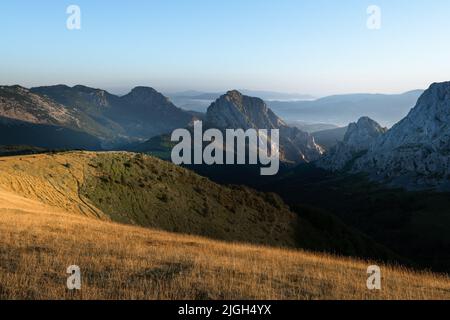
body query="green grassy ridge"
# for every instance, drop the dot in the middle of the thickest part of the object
(145, 191)
(142, 190)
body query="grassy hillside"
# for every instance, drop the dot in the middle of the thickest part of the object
(38, 243)
(62, 209)
(414, 225)
(149, 192)
(142, 190)
(145, 191)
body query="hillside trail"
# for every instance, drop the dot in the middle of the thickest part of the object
(27, 183)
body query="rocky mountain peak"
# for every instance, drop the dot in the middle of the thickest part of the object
(234, 110)
(363, 132)
(414, 154)
(146, 96)
(85, 89)
(143, 92)
(357, 140)
(432, 111)
(234, 94)
(437, 91)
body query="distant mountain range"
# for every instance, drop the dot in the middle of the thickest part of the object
(200, 101)
(339, 171)
(337, 110)
(80, 117)
(265, 95)
(414, 153)
(343, 109)
(311, 127)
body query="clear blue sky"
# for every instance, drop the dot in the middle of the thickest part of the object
(307, 46)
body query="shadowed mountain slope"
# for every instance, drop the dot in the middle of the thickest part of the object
(141, 114)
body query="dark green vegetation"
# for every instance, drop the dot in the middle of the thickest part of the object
(160, 146)
(14, 132)
(12, 150)
(149, 192)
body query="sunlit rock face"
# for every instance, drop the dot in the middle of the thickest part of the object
(358, 140)
(236, 111)
(415, 153)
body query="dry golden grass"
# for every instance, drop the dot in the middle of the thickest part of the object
(43, 230)
(51, 179)
(125, 262)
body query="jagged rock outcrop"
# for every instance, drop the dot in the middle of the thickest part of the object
(415, 153)
(236, 111)
(357, 141)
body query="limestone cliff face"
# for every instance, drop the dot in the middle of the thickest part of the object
(357, 140)
(236, 111)
(414, 154)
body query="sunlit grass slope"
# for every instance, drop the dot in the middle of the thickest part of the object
(145, 191)
(127, 262)
(58, 210)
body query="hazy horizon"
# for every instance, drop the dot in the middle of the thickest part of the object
(125, 90)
